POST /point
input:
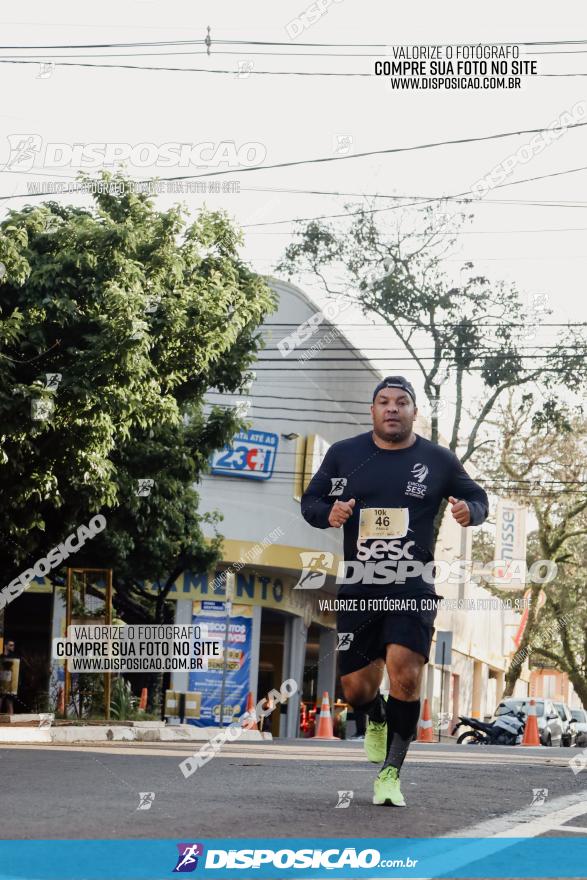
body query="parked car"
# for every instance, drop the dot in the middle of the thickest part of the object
(550, 725)
(568, 737)
(580, 719)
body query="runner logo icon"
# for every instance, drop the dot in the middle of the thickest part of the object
(315, 567)
(187, 860)
(344, 800)
(338, 485)
(344, 641)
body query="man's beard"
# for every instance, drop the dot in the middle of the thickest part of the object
(399, 433)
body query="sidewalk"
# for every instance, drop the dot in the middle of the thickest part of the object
(40, 728)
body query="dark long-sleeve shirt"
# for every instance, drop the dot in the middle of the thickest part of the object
(397, 495)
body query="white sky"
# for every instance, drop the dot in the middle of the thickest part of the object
(297, 117)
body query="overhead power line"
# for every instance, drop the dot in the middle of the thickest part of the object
(386, 45)
(288, 482)
(302, 413)
(231, 72)
(219, 71)
(560, 203)
(493, 356)
(47, 57)
(457, 232)
(308, 368)
(224, 72)
(438, 323)
(292, 396)
(525, 484)
(220, 42)
(420, 200)
(358, 195)
(136, 44)
(549, 349)
(248, 53)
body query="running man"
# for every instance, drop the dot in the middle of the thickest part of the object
(385, 488)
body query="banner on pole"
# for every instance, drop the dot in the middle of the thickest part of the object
(510, 545)
(208, 683)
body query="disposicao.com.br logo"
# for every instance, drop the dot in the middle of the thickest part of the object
(329, 859)
(187, 860)
(29, 151)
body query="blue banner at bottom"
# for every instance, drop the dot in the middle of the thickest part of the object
(274, 859)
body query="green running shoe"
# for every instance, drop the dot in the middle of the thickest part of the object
(386, 789)
(375, 743)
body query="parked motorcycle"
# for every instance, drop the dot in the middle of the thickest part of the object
(506, 730)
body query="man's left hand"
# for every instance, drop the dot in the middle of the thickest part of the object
(460, 511)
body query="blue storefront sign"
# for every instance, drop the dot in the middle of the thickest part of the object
(251, 454)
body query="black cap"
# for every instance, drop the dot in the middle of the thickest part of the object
(395, 382)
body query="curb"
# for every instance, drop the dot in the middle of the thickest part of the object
(118, 733)
(25, 735)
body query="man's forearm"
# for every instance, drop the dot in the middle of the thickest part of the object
(316, 511)
(478, 511)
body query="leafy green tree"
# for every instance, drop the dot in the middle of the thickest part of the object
(155, 537)
(139, 313)
(469, 342)
(561, 637)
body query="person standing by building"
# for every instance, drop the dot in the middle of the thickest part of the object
(8, 687)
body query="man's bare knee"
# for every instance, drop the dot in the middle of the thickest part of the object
(406, 684)
(358, 695)
(405, 669)
(361, 687)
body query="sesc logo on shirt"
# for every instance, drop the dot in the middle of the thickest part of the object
(417, 488)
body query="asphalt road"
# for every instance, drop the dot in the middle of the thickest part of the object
(287, 789)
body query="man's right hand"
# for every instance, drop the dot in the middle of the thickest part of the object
(340, 512)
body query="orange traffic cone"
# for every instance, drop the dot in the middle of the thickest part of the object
(250, 722)
(325, 728)
(531, 736)
(143, 700)
(425, 732)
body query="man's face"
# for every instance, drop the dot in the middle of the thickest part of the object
(10, 647)
(393, 412)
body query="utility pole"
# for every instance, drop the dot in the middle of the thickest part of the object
(229, 596)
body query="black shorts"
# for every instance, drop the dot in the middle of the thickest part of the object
(372, 631)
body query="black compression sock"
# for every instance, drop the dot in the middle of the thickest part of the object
(402, 721)
(375, 709)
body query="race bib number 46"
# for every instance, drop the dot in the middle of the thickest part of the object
(383, 522)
